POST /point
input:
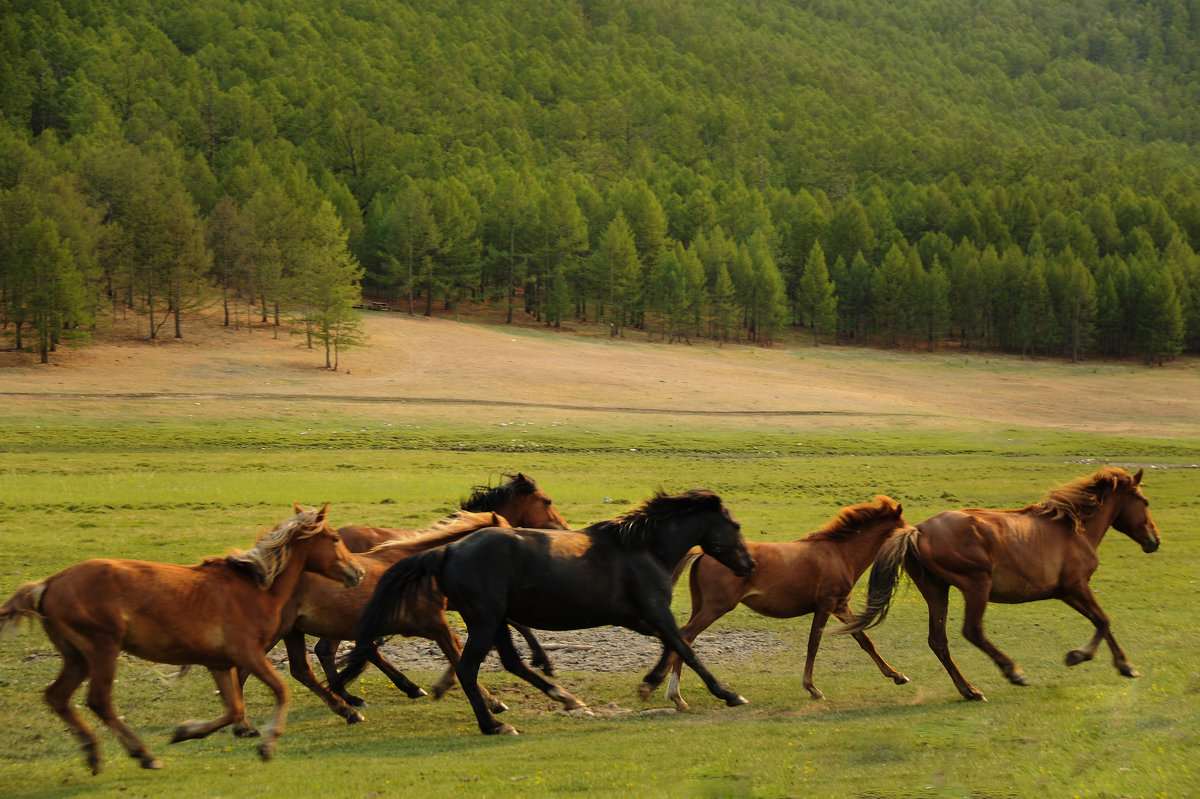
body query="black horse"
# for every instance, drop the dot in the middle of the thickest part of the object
(614, 572)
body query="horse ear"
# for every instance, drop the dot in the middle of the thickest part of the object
(296, 507)
(323, 513)
(1137, 478)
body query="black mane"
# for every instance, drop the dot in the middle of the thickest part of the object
(486, 498)
(636, 528)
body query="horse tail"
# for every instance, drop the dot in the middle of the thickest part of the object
(897, 551)
(26, 603)
(694, 554)
(400, 580)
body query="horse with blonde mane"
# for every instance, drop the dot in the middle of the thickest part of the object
(1044, 551)
(220, 613)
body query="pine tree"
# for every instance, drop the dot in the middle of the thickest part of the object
(817, 301)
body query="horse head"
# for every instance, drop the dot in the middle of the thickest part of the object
(324, 553)
(723, 541)
(521, 501)
(1133, 514)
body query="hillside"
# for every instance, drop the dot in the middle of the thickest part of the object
(481, 374)
(1018, 177)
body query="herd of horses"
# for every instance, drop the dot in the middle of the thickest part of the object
(508, 560)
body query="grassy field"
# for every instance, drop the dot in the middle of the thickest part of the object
(176, 481)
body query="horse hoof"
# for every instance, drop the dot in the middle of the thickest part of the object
(735, 700)
(151, 763)
(900, 679)
(1075, 657)
(504, 729)
(975, 697)
(354, 701)
(499, 707)
(266, 751)
(354, 717)
(582, 711)
(417, 694)
(816, 693)
(1018, 678)
(1129, 671)
(645, 691)
(244, 732)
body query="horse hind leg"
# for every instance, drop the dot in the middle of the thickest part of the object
(102, 666)
(511, 660)
(1087, 606)
(975, 603)
(58, 697)
(326, 651)
(937, 597)
(538, 658)
(467, 669)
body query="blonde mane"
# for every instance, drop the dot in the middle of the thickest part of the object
(446, 530)
(270, 554)
(1077, 500)
(851, 520)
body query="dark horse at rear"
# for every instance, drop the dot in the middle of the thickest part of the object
(614, 572)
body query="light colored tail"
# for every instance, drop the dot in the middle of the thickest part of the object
(691, 557)
(26, 603)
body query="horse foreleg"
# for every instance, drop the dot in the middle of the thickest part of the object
(301, 669)
(937, 597)
(846, 616)
(58, 697)
(229, 689)
(702, 618)
(1085, 603)
(663, 623)
(511, 660)
(261, 668)
(467, 669)
(815, 633)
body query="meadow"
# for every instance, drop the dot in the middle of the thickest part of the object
(163, 483)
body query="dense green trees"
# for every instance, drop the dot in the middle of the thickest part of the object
(902, 174)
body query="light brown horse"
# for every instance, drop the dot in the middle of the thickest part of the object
(219, 613)
(813, 574)
(331, 611)
(1044, 551)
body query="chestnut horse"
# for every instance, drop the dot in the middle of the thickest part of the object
(519, 500)
(813, 574)
(219, 613)
(1044, 551)
(614, 572)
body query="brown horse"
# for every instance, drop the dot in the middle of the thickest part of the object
(219, 613)
(325, 609)
(813, 574)
(519, 500)
(1044, 551)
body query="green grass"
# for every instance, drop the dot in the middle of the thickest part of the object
(176, 482)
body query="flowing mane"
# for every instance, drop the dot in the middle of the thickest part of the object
(270, 554)
(1077, 500)
(635, 528)
(445, 530)
(851, 520)
(486, 498)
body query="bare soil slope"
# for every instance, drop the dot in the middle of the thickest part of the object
(457, 365)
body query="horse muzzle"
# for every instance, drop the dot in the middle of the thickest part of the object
(1151, 544)
(352, 575)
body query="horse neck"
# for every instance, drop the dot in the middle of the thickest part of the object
(669, 548)
(289, 578)
(860, 549)
(1096, 525)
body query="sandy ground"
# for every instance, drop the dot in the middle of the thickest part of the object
(451, 364)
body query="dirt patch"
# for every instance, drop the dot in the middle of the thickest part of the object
(456, 367)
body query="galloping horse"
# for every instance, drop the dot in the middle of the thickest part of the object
(813, 574)
(219, 613)
(613, 572)
(1044, 551)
